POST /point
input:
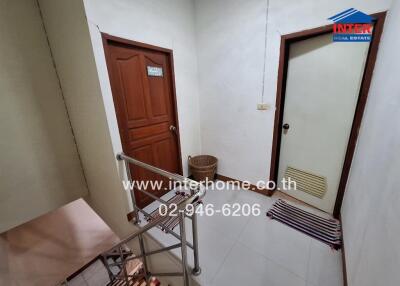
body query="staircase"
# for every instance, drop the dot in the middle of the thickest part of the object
(119, 266)
(126, 268)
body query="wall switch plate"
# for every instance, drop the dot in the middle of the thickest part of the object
(262, 106)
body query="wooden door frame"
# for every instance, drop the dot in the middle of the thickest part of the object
(288, 39)
(146, 47)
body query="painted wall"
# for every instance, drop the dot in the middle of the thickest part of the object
(230, 45)
(39, 166)
(370, 210)
(167, 24)
(69, 39)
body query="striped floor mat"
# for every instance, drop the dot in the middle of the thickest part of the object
(325, 230)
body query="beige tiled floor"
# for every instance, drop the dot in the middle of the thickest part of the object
(95, 275)
(256, 250)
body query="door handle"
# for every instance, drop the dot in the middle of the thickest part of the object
(172, 128)
(286, 126)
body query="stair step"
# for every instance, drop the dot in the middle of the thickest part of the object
(133, 266)
(131, 282)
(141, 282)
(172, 222)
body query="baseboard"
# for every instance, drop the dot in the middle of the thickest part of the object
(253, 188)
(343, 258)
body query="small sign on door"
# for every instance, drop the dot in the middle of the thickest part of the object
(154, 71)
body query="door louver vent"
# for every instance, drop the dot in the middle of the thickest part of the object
(307, 182)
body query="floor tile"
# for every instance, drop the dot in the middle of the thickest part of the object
(278, 242)
(325, 266)
(96, 274)
(218, 197)
(243, 266)
(255, 250)
(228, 226)
(213, 248)
(232, 226)
(77, 281)
(251, 197)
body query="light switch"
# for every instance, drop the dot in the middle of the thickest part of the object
(263, 106)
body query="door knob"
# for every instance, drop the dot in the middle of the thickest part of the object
(172, 128)
(285, 126)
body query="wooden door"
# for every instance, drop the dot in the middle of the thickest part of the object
(142, 84)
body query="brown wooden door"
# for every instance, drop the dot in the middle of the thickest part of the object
(141, 79)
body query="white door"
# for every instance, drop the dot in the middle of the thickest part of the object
(322, 88)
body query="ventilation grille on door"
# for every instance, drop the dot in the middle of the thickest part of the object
(306, 182)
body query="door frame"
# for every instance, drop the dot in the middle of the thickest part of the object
(170, 54)
(288, 39)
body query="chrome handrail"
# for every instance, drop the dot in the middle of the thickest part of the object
(176, 177)
(197, 192)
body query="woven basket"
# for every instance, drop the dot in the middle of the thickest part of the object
(203, 167)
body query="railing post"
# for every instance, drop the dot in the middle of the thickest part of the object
(143, 253)
(196, 270)
(123, 265)
(183, 249)
(105, 262)
(132, 192)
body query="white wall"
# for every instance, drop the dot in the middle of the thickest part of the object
(69, 38)
(230, 38)
(39, 165)
(167, 24)
(370, 211)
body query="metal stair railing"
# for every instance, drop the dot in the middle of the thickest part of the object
(197, 192)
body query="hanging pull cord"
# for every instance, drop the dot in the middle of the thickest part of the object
(265, 52)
